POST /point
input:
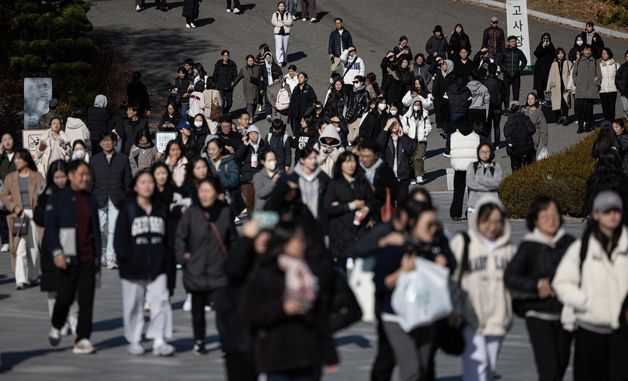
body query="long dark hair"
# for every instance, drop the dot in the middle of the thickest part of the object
(189, 174)
(161, 164)
(181, 147)
(25, 155)
(55, 166)
(132, 194)
(346, 156)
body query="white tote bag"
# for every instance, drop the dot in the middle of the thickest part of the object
(422, 297)
(361, 283)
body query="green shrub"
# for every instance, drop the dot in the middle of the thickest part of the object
(617, 13)
(562, 176)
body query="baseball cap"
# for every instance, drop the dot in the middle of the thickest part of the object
(607, 200)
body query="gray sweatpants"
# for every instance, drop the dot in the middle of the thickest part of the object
(155, 293)
(413, 351)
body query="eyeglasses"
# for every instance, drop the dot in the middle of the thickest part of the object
(493, 22)
(355, 82)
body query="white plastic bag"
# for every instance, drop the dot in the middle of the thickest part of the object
(543, 154)
(361, 283)
(422, 297)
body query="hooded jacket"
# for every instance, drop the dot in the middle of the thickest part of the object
(482, 180)
(536, 258)
(480, 97)
(244, 156)
(427, 100)
(326, 160)
(264, 184)
(142, 157)
(596, 292)
(75, 129)
(587, 78)
(486, 302)
(497, 91)
(98, 118)
(416, 128)
(353, 66)
(140, 241)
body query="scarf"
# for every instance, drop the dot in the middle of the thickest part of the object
(370, 172)
(301, 285)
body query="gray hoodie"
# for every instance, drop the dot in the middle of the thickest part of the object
(100, 101)
(480, 97)
(309, 188)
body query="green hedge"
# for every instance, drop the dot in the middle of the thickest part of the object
(562, 176)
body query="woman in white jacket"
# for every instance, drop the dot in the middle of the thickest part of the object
(416, 125)
(464, 145)
(485, 302)
(54, 144)
(76, 129)
(608, 90)
(418, 92)
(282, 21)
(596, 288)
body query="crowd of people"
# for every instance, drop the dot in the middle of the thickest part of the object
(265, 229)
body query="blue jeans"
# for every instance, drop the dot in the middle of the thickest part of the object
(291, 6)
(454, 116)
(183, 109)
(494, 118)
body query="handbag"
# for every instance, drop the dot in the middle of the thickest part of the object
(20, 226)
(449, 335)
(345, 309)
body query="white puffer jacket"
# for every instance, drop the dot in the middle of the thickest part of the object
(411, 125)
(464, 150)
(278, 21)
(596, 294)
(609, 70)
(486, 306)
(408, 100)
(76, 129)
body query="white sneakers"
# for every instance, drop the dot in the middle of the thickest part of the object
(83, 347)
(313, 19)
(187, 305)
(187, 26)
(419, 180)
(236, 11)
(161, 348)
(228, 10)
(4, 248)
(138, 8)
(135, 349)
(54, 336)
(193, 25)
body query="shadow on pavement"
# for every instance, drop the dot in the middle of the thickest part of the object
(434, 152)
(12, 359)
(107, 325)
(246, 7)
(433, 175)
(187, 344)
(205, 21)
(293, 57)
(358, 340)
(320, 16)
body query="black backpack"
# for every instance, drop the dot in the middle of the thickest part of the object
(520, 141)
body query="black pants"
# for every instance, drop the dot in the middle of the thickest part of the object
(494, 118)
(517, 161)
(564, 109)
(227, 100)
(515, 82)
(591, 356)
(403, 191)
(584, 112)
(199, 326)
(76, 282)
(551, 345)
(384, 363)
(460, 183)
(608, 105)
(4, 227)
(478, 118)
(236, 4)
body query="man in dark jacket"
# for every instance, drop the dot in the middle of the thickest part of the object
(111, 179)
(512, 61)
(591, 37)
(379, 175)
(133, 125)
(497, 90)
(229, 136)
(621, 82)
(247, 155)
(493, 38)
(463, 65)
(518, 131)
(98, 122)
(136, 92)
(268, 72)
(225, 72)
(397, 150)
(339, 40)
(436, 45)
(481, 60)
(301, 100)
(73, 238)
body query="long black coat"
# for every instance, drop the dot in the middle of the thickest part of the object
(301, 100)
(544, 58)
(342, 231)
(190, 9)
(47, 282)
(405, 150)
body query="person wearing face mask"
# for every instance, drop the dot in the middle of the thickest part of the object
(248, 156)
(482, 254)
(576, 50)
(199, 134)
(143, 153)
(329, 148)
(353, 66)
(79, 151)
(264, 181)
(417, 126)
(591, 37)
(357, 106)
(374, 122)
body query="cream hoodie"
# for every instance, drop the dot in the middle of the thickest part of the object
(596, 294)
(487, 307)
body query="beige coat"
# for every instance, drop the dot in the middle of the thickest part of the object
(553, 83)
(11, 197)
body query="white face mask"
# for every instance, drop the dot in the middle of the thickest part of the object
(270, 165)
(416, 108)
(79, 154)
(381, 106)
(393, 112)
(198, 124)
(579, 43)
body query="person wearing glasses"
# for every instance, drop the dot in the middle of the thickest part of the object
(354, 66)
(494, 38)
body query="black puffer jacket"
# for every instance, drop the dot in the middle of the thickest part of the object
(225, 74)
(621, 79)
(436, 45)
(204, 271)
(459, 97)
(512, 61)
(372, 125)
(340, 193)
(243, 156)
(110, 180)
(497, 89)
(535, 259)
(130, 131)
(405, 150)
(301, 100)
(98, 122)
(357, 105)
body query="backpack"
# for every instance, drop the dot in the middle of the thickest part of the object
(283, 100)
(495, 91)
(215, 111)
(520, 141)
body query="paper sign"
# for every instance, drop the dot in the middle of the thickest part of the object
(37, 95)
(517, 20)
(162, 138)
(31, 139)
